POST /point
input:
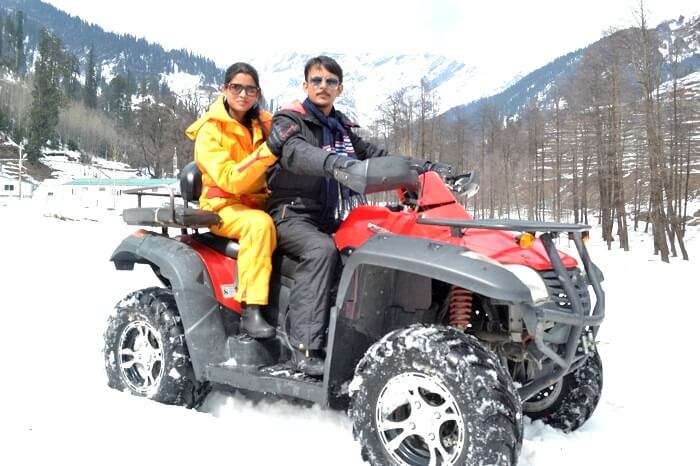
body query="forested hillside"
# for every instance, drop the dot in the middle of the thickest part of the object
(612, 136)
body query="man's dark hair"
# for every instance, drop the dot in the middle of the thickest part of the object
(326, 62)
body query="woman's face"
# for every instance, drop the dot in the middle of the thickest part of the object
(241, 93)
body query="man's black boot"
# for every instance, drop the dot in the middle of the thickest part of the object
(254, 324)
(309, 362)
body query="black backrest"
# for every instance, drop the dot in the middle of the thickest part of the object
(191, 183)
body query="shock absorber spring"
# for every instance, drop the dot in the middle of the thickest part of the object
(460, 307)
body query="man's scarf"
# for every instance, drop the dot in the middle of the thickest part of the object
(335, 139)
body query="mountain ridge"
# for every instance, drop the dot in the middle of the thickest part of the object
(370, 78)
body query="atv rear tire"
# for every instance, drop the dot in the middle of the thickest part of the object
(428, 392)
(145, 351)
(575, 397)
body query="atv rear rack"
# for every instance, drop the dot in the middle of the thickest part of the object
(144, 191)
(168, 216)
(538, 316)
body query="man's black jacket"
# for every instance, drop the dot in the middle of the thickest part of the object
(297, 180)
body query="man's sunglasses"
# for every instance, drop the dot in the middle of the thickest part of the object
(331, 83)
(237, 88)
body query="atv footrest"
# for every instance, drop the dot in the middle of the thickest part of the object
(286, 371)
(278, 380)
(179, 217)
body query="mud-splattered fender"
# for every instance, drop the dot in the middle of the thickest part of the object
(436, 260)
(187, 276)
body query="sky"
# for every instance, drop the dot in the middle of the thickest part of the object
(506, 37)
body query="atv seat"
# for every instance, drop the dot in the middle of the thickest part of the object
(191, 189)
(283, 264)
(225, 246)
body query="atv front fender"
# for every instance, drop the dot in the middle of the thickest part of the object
(439, 261)
(386, 284)
(181, 268)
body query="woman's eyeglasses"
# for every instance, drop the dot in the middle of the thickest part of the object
(331, 83)
(250, 91)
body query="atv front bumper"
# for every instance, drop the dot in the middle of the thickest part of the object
(583, 324)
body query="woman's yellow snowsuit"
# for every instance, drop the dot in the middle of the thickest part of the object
(233, 165)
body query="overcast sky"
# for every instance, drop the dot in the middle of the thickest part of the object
(510, 36)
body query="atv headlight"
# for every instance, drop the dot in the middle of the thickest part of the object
(531, 279)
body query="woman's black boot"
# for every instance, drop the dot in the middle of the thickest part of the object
(254, 324)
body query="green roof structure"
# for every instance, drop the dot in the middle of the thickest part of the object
(135, 182)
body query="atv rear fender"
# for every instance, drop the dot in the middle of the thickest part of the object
(181, 269)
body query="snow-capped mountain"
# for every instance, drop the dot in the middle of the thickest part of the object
(683, 31)
(369, 79)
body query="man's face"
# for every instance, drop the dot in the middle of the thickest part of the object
(322, 87)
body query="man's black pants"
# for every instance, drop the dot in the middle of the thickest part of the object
(310, 300)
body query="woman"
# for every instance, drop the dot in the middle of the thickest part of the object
(230, 151)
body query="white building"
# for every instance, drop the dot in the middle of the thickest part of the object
(9, 186)
(102, 192)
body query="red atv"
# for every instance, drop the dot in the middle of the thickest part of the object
(438, 318)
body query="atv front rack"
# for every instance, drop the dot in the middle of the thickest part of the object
(583, 325)
(509, 225)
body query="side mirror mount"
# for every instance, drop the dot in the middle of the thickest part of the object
(467, 185)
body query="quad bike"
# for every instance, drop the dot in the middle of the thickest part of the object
(445, 329)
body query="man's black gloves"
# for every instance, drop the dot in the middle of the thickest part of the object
(282, 129)
(335, 162)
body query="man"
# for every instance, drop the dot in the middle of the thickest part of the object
(312, 141)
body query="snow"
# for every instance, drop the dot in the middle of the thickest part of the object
(57, 288)
(65, 165)
(182, 83)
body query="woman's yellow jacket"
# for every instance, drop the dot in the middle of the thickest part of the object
(229, 159)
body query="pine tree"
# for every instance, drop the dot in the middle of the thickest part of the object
(90, 89)
(2, 36)
(70, 72)
(46, 94)
(20, 61)
(118, 100)
(9, 58)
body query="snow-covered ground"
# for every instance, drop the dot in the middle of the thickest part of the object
(66, 165)
(57, 288)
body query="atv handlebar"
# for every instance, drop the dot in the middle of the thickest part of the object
(378, 174)
(391, 172)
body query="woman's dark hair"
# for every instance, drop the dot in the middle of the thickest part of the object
(326, 62)
(254, 112)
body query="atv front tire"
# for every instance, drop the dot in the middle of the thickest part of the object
(429, 395)
(569, 403)
(145, 351)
